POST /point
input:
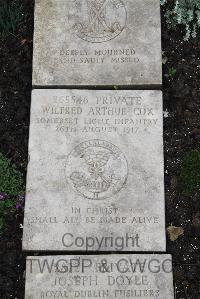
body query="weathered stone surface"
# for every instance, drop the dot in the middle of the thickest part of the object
(95, 175)
(100, 276)
(97, 42)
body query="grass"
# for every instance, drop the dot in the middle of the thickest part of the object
(11, 15)
(11, 180)
(190, 172)
(11, 186)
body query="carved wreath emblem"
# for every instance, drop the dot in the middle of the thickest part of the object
(98, 20)
(96, 169)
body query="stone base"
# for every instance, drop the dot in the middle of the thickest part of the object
(100, 276)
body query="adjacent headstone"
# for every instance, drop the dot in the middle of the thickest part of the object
(100, 276)
(97, 42)
(95, 173)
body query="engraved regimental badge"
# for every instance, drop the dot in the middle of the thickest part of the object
(97, 21)
(96, 169)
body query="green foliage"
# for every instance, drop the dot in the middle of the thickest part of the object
(186, 13)
(11, 181)
(190, 172)
(11, 14)
(4, 207)
(171, 72)
(11, 185)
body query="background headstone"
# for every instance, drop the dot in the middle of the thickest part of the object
(101, 42)
(103, 276)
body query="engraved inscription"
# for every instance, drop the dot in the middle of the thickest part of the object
(96, 169)
(98, 21)
(127, 115)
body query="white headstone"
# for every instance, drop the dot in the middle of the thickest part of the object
(97, 42)
(100, 276)
(95, 174)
